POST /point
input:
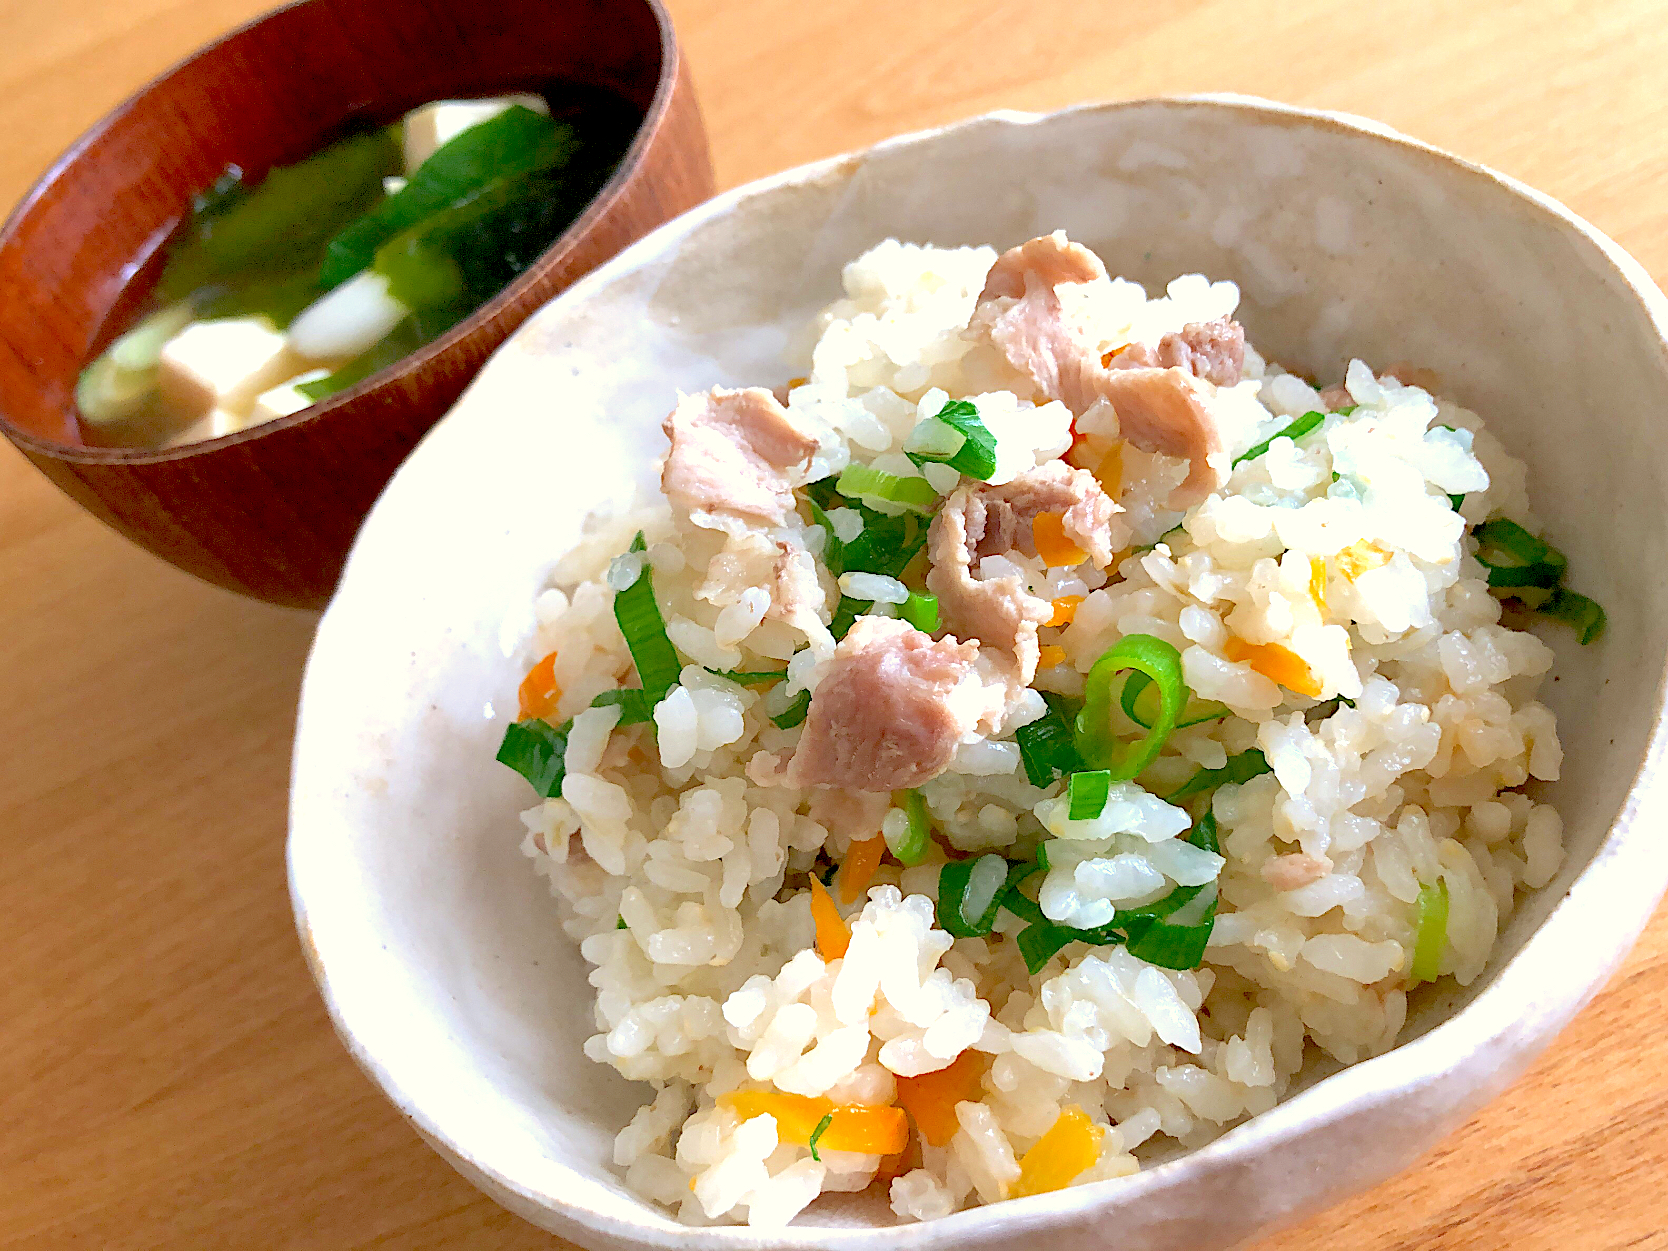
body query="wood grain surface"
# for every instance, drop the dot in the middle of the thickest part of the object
(167, 1075)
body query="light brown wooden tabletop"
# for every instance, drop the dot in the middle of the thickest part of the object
(167, 1074)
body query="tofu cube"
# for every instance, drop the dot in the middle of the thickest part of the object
(223, 364)
(284, 399)
(211, 425)
(433, 124)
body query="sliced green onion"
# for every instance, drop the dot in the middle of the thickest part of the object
(1239, 770)
(1577, 611)
(846, 614)
(1087, 792)
(1430, 932)
(516, 142)
(1171, 932)
(619, 923)
(635, 706)
(1161, 662)
(970, 894)
(1140, 703)
(1038, 944)
(1302, 426)
(1047, 746)
(933, 440)
(1514, 557)
(917, 837)
(921, 611)
(833, 549)
(1455, 501)
(974, 455)
(859, 481)
(645, 632)
(748, 677)
(795, 712)
(537, 750)
(1178, 940)
(817, 1133)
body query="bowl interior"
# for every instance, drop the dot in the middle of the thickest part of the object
(79, 254)
(437, 948)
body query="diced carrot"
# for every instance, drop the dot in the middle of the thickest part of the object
(797, 382)
(539, 693)
(1110, 472)
(1049, 655)
(1071, 1145)
(1276, 663)
(1049, 533)
(1317, 584)
(833, 934)
(1065, 609)
(870, 1129)
(932, 1097)
(1357, 558)
(858, 871)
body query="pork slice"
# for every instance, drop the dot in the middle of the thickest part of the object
(1295, 870)
(1009, 511)
(1166, 410)
(999, 612)
(1212, 350)
(1160, 407)
(737, 452)
(889, 712)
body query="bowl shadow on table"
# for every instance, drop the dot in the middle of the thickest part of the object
(1263, 217)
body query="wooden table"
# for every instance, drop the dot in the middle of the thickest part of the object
(167, 1074)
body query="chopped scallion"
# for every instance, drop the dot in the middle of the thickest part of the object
(1161, 662)
(921, 611)
(970, 894)
(795, 712)
(1302, 426)
(748, 677)
(1046, 745)
(645, 632)
(975, 453)
(1240, 769)
(537, 750)
(1430, 932)
(1516, 558)
(1577, 611)
(817, 1133)
(917, 836)
(635, 706)
(861, 481)
(1139, 701)
(1087, 792)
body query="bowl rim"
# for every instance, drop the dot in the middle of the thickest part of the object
(1635, 874)
(598, 206)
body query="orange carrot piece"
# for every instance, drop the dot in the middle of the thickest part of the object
(1110, 472)
(1065, 609)
(862, 859)
(833, 934)
(1276, 663)
(867, 1128)
(1071, 1145)
(1358, 558)
(539, 693)
(1049, 655)
(1049, 533)
(1317, 584)
(932, 1097)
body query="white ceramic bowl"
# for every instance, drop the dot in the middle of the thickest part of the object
(436, 947)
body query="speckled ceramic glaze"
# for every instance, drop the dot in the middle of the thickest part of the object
(436, 947)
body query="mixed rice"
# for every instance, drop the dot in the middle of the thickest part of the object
(1009, 751)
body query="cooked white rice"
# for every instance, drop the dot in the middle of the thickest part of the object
(684, 874)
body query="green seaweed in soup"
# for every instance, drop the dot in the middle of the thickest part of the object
(277, 293)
